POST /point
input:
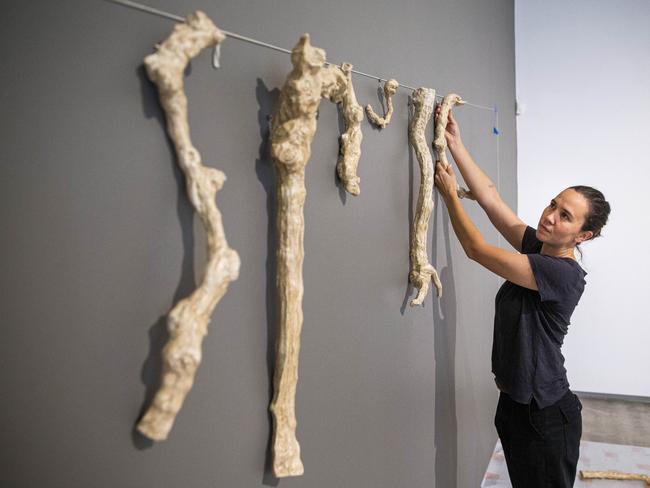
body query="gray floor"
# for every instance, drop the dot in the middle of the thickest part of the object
(615, 421)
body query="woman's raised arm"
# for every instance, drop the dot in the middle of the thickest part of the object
(482, 187)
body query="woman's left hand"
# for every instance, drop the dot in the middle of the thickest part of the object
(445, 181)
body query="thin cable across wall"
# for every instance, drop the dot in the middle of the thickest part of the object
(178, 18)
(233, 35)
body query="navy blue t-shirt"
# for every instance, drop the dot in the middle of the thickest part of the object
(530, 325)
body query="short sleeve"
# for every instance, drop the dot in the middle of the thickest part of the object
(530, 243)
(558, 280)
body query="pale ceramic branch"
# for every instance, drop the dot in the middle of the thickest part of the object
(440, 142)
(292, 131)
(346, 167)
(421, 270)
(188, 321)
(390, 88)
(614, 475)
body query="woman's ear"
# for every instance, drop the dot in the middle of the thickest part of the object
(584, 236)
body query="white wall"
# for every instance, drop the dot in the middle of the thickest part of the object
(583, 84)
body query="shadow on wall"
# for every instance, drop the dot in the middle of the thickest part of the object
(444, 325)
(409, 285)
(158, 335)
(343, 195)
(267, 101)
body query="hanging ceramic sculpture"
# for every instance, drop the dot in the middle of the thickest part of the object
(292, 131)
(188, 321)
(346, 167)
(422, 272)
(440, 142)
(390, 88)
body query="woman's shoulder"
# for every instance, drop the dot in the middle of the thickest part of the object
(576, 265)
(560, 280)
(530, 243)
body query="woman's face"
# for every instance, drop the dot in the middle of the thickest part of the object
(562, 220)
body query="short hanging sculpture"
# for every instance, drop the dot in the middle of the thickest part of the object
(346, 168)
(292, 131)
(421, 270)
(440, 142)
(390, 88)
(188, 321)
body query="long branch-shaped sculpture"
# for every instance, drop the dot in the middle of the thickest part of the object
(614, 475)
(421, 270)
(292, 131)
(346, 167)
(390, 88)
(188, 321)
(440, 142)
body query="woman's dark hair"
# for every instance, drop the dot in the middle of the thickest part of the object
(598, 211)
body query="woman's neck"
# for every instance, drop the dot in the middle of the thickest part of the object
(558, 252)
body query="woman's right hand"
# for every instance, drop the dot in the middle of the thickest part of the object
(452, 131)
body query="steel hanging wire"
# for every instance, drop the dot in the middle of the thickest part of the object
(178, 18)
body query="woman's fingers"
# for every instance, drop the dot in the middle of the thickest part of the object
(439, 169)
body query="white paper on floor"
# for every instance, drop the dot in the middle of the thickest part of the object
(596, 456)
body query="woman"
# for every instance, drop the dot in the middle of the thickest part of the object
(538, 418)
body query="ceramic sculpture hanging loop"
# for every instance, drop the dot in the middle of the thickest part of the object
(390, 88)
(188, 320)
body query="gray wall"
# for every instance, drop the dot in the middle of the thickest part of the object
(99, 241)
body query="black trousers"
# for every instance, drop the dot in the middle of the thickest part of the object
(541, 445)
